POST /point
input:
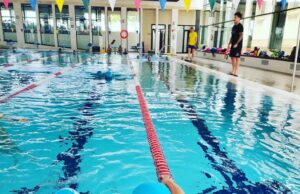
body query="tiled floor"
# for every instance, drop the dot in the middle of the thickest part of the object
(273, 79)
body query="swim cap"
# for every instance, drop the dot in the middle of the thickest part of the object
(151, 188)
(108, 76)
(67, 191)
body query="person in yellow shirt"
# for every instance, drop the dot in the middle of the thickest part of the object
(192, 44)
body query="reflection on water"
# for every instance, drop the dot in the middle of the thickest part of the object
(262, 145)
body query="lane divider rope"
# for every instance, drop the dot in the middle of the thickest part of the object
(34, 85)
(160, 163)
(6, 65)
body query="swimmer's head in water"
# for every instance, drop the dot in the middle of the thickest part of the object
(151, 188)
(1, 115)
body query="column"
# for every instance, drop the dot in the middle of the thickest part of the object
(19, 24)
(247, 22)
(227, 25)
(220, 23)
(73, 27)
(39, 39)
(90, 24)
(174, 31)
(1, 32)
(124, 25)
(197, 24)
(55, 26)
(141, 29)
(106, 27)
(210, 32)
(156, 33)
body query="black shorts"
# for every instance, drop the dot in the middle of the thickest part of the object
(235, 52)
(191, 47)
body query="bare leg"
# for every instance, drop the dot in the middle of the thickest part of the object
(237, 64)
(233, 60)
(193, 54)
(189, 53)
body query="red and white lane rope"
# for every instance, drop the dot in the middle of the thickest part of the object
(6, 65)
(36, 84)
(162, 169)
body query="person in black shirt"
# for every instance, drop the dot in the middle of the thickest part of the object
(236, 43)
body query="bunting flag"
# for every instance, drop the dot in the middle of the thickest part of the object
(163, 4)
(60, 4)
(137, 4)
(283, 4)
(6, 2)
(187, 4)
(235, 4)
(259, 3)
(86, 4)
(33, 4)
(112, 4)
(212, 4)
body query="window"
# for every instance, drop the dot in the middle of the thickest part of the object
(29, 24)
(98, 26)
(63, 27)
(8, 23)
(114, 26)
(82, 27)
(46, 25)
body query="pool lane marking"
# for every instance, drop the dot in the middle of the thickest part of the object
(162, 169)
(36, 84)
(6, 65)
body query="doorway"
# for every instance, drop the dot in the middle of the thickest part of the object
(161, 37)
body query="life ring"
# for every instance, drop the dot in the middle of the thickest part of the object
(124, 34)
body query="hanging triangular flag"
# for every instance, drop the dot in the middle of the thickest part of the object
(212, 4)
(33, 4)
(235, 4)
(187, 4)
(163, 4)
(60, 4)
(137, 4)
(283, 4)
(112, 4)
(259, 3)
(6, 2)
(86, 4)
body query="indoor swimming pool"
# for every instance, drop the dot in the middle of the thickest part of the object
(219, 134)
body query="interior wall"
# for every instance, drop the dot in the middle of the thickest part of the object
(148, 19)
(187, 18)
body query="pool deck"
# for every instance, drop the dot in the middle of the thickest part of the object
(268, 78)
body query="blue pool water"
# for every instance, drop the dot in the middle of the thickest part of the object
(219, 135)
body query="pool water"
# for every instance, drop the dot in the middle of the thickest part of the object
(219, 134)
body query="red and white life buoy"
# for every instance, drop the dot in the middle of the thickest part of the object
(124, 34)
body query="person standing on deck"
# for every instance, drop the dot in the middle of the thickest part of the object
(192, 44)
(236, 43)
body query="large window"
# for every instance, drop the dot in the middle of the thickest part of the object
(46, 22)
(98, 26)
(133, 27)
(30, 24)
(82, 27)
(114, 25)
(8, 23)
(63, 27)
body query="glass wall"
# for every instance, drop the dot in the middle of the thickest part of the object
(133, 28)
(63, 27)
(29, 24)
(46, 25)
(98, 26)
(114, 26)
(82, 27)
(8, 23)
(271, 28)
